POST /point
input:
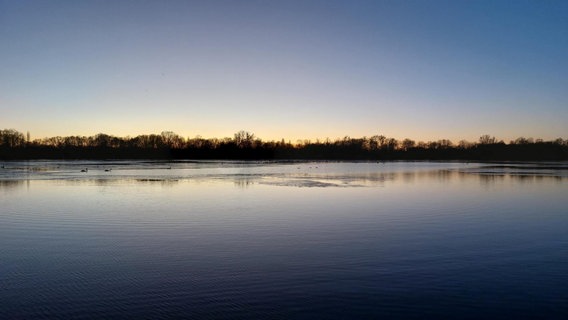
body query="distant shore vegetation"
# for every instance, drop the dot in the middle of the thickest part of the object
(15, 145)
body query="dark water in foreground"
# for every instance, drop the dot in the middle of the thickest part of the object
(218, 240)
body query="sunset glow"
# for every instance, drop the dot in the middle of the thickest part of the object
(423, 70)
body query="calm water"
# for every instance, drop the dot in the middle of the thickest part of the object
(216, 240)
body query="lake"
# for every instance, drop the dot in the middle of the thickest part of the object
(283, 240)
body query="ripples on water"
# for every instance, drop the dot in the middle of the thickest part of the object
(235, 240)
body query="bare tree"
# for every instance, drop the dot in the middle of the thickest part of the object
(487, 139)
(407, 144)
(244, 139)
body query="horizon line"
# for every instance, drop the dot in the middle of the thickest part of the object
(27, 135)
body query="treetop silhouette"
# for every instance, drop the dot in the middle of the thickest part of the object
(245, 145)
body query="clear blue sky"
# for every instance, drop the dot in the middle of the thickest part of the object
(424, 70)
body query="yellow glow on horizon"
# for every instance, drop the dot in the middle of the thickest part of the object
(277, 135)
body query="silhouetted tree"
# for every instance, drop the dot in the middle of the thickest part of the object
(487, 139)
(171, 139)
(464, 144)
(522, 140)
(244, 139)
(244, 145)
(407, 144)
(102, 140)
(11, 138)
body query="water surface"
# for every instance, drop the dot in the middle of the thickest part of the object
(292, 240)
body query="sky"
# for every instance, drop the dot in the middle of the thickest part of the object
(423, 70)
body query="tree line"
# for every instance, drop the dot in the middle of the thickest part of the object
(14, 145)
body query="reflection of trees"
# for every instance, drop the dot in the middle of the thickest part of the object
(245, 145)
(440, 175)
(485, 178)
(444, 176)
(161, 182)
(491, 178)
(11, 184)
(243, 182)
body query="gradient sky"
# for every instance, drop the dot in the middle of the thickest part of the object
(425, 70)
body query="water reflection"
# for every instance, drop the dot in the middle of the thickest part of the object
(244, 177)
(12, 185)
(161, 182)
(345, 241)
(243, 182)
